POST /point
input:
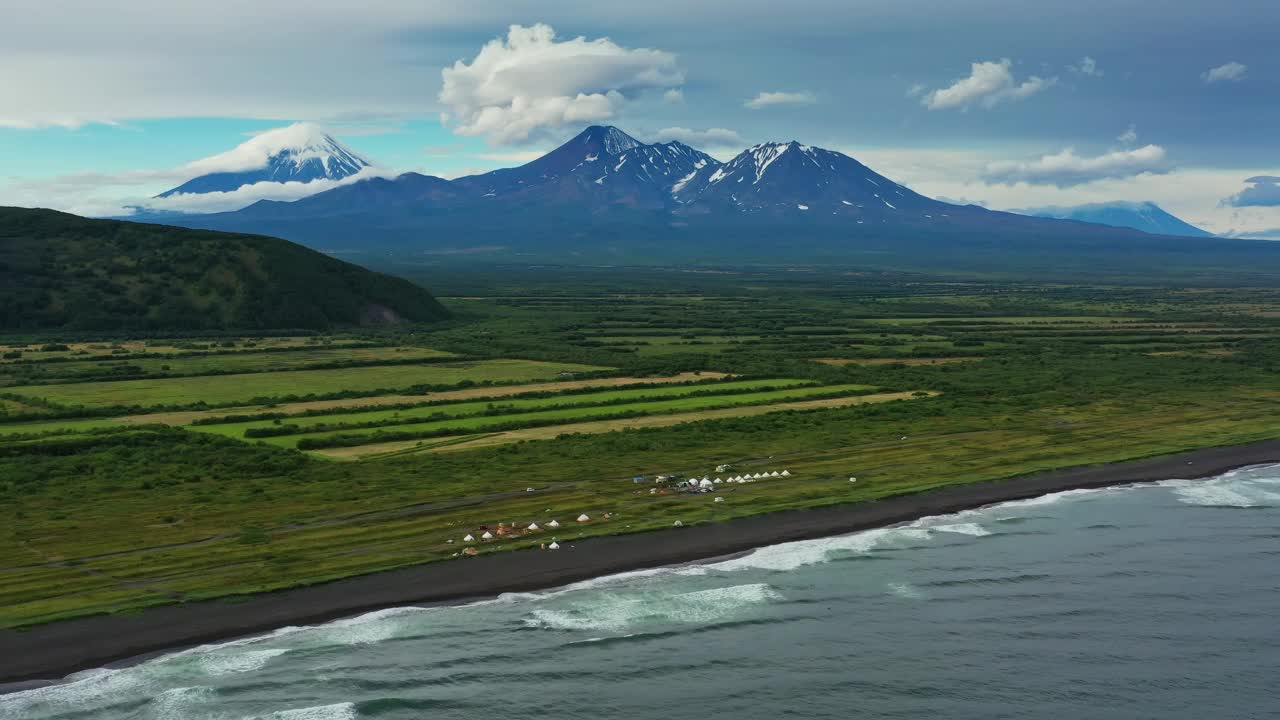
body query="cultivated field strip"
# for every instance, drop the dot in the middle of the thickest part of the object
(245, 388)
(473, 418)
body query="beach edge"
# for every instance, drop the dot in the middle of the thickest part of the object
(47, 653)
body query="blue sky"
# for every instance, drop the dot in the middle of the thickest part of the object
(1009, 103)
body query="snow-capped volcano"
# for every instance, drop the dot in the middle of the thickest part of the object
(301, 153)
(602, 164)
(790, 177)
(1144, 216)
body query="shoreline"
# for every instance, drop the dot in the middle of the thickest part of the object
(47, 653)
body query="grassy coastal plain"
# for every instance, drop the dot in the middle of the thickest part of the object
(137, 472)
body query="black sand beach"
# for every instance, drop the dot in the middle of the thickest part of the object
(54, 650)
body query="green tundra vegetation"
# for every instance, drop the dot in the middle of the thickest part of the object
(59, 270)
(140, 469)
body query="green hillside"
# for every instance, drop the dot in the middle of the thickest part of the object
(60, 271)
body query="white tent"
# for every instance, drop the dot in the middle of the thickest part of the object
(553, 546)
(528, 489)
(786, 473)
(717, 481)
(677, 524)
(719, 499)
(773, 474)
(554, 524)
(469, 538)
(534, 526)
(583, 518)
(757, 476)
(487, 535)
(705, 483)
(853, 479)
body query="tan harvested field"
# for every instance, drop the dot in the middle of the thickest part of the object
(293, 408)
(603, 426)
(841, 362)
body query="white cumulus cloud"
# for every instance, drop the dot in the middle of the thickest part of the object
(711, 137)
(1230, 72)
(1066, 168)
(988, 84)
(529, 81)
(1087, 66)
(769, 99)
(1130, 135)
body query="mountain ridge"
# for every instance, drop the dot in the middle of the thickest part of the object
(1144, 215)
(61, 271)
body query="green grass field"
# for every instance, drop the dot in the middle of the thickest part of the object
(468, 418)
(231, 362)
(1021, 377)
(231, 389)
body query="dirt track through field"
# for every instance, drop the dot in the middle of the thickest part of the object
(603, 426)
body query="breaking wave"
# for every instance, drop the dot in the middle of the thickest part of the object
(617, 612)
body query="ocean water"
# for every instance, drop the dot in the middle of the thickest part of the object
(1154, 601)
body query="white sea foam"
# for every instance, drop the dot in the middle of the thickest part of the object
(1223, 492)
(81, 688)
(176, 703)
(227, 663)
(973, 529)
(337, 711)
(615, 612)
(904, 590)
(371, 627)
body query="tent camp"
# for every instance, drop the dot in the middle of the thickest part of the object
(534, 526)
(583, 518)
(469, 538)
(705, 483)
(554, 524)
(487, 535)
(553, 546)
(786, 473)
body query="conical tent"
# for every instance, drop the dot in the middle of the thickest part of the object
(554, 524)
(487, 535)
(786, 473)
(757, 476)
(534, 526)
(717, 481)
(774, 474)
(469, 538)
(583, 518)
(554, 546)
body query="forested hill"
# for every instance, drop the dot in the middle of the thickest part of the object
(64, 271)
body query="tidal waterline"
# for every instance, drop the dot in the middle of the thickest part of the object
(1157, 600)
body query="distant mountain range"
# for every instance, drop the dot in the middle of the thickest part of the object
(606, 195)
(298, 153)
(1145, 216)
